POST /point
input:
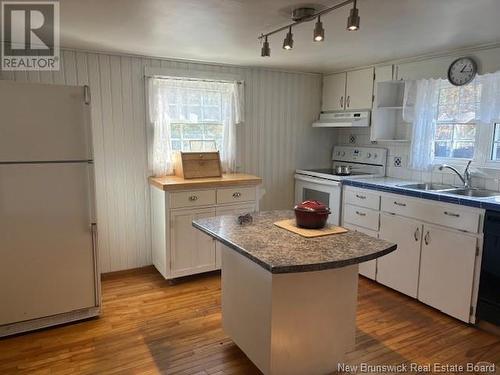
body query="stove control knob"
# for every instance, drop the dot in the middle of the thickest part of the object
(343, 153)
(338, 153)
(375, 156)
(369, 155)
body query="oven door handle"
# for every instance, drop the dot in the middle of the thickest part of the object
(319, 181)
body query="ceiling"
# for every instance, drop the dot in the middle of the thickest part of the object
(226, 31)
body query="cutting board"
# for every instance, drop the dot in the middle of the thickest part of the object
(291, 226)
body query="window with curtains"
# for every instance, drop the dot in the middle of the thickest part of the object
(193, 115)
(455, 132)
(453, 124)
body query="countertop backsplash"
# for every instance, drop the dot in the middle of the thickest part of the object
(397, 161)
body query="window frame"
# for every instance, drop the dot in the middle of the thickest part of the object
(451, 160)
(488, 161)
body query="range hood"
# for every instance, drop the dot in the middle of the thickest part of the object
(343, 119)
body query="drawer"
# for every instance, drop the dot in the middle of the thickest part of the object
(403, 206)
(236, 194)
(363, 217)
(192, 198)
(362, 198)
(454, 217)
(450, 215)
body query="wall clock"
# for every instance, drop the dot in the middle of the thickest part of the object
(462, 71)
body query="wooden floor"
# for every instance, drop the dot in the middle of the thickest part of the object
(150, 327)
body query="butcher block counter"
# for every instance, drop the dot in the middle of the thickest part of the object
(170, 183)
(178, 248)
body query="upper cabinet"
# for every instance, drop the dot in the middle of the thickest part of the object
(348, 91)
(359, 89)
(387, 116)
(333, 92)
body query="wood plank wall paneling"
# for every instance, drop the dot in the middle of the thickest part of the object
(276, 139)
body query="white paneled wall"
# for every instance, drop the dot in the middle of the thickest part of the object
(275, 139)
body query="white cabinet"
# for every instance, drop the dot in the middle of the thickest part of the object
(437, 258)
(348, 91)
(447, 271)
(179, 249)
(399, 270)
(359, 89)
(369, 268)
(333, 92)
(192, 250)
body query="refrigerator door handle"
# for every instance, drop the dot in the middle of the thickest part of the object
(86, 94)
(93, 230)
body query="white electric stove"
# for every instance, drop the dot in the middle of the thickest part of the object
(325, 185)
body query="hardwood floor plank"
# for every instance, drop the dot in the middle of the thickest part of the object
(151, 327)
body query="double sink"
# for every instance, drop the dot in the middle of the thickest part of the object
(450, 189)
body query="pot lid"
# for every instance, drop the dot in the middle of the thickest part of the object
(312, 206)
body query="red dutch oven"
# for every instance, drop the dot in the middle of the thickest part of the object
(311, 214)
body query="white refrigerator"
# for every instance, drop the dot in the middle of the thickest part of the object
(48, 229)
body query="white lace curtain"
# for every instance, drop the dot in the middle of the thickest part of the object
(489, 108)
(420, 107)
(166, 93)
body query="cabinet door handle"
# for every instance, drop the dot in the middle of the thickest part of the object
(416, 235)
(399, 204)
(193, 198)
(360, 213)
(451, 214)
(348, 101)
(236, 194)
(360, 196)
(341, 102)
(427, 238)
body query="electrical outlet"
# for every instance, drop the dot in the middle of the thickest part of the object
(397, 161)
(352, 139)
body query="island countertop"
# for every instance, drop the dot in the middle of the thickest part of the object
(280, 251)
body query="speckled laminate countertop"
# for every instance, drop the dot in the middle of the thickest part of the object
(280, 251)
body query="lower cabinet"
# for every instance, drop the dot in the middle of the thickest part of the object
(192, 250)
(447, 271)
(437, 257)
(178, 248)
(367, 269)
(400, 269)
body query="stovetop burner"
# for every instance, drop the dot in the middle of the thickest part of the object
(330, 171)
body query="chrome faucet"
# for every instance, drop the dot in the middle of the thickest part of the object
(465, 178)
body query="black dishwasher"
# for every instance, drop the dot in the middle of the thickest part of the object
(489, 285)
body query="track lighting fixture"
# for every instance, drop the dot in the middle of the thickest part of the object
(319, 32)
(353, 20)
(266, 50)
(306, 14)
(288, 41)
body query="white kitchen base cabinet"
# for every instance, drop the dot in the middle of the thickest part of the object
(438, 257)
(367, 269)
(447, 271)
(399, 270)
(178, 248)
(192, 250)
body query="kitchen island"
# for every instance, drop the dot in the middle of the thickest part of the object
(289, 302)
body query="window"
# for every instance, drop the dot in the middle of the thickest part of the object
(495, 155)
(196, 120)
(455, 134)
(193, 115)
